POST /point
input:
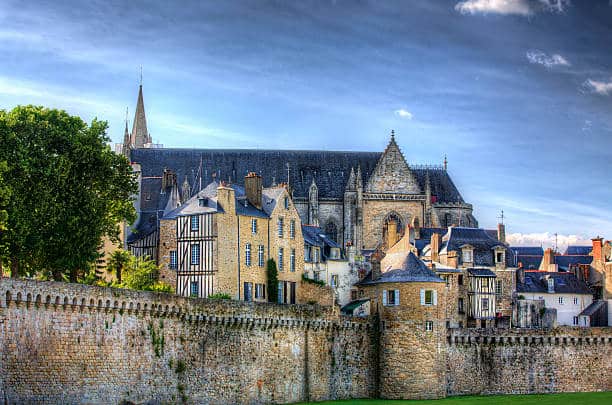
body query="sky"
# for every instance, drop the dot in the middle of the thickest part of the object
(517, 93)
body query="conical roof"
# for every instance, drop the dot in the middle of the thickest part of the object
(140, 134)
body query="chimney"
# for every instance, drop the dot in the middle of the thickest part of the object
(375, 260)
(598, 252)
(435, 247)
(226, 198)
(520, 275)
(253, 186)
(548, 260)
(501, 233)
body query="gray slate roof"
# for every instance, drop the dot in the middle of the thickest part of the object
(536, 282)
(578, 250)
(314, 236)
(477, 237)
(481, 272)
(412, 270)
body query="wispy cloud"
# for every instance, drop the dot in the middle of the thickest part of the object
(511, 7)
(518, 7)
(403, 113)
(540, 58)
(599, 87)
(546, 239)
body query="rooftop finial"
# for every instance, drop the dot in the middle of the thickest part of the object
(392, 134)
(501, 217)
(141, 75)
(445, 162)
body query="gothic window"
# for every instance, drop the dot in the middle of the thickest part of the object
(448, 221)
(331, 230)
(393, 229)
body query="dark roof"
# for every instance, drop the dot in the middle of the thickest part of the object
(528, 250)
(536, 282)
(529, 262)
(578, 250)
(351, 306)
(476, 237)
(329, 169)
(481, 273)
(565, 262)
(425, 233)
(410, 271)
(314, 236)
(594, 307)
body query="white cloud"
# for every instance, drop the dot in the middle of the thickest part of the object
(403, 113)
(518, 7)
(595, 86)
(549, 61)
(508, 7)
(546, 239)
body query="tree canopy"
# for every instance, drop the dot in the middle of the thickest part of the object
(67, 191)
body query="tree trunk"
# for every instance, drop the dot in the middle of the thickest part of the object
(14, 267)
(73, 276)
(119, 269)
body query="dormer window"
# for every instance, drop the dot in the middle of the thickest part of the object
(551, 286)
(202, 202)
(286, 203)
(467, 254)
(499, 255)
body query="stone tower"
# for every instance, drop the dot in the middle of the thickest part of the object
(313, 204)
(140, 135)
(411, 305)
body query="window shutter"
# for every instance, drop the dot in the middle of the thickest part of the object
(435, 297)
(397, 301)
(422, 296)
(384, 297)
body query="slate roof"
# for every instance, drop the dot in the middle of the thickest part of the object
(330, 169)
(410, 271)
(477, 237)
(578, 250)
(314, 236)
(351, 306)
(481, 272)
(594, 308)
(565, 262)
(529, 262)
(528, 250)
(536, 282)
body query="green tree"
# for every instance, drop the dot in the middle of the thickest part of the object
(4, 199)
(117, 261)
(272, 274)
(68, 190)
(142, 274)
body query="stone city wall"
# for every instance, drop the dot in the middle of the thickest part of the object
(526, 361)
(70, 343)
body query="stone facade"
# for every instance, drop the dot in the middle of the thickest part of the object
(69, 343)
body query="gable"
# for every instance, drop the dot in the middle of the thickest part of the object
(392, 174)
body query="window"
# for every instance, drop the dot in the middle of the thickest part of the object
(248, 291)
(194, 291)
(467, 256)
(353, 295)
(575, 300)
(498, 287)
(334, 280)
(286, 203)
(260, 256)
(460, 306)
(484, 304)
(253, 226)
(280, 227)
(447, 279)
(247, 254)
(202, 202)
(194, 220)
(499, 257)
(390, 298)
(195, 254)
(561, 300)
(280, 292)
(316, 255)
(281, 253)
(429, 297)
(173, 260)
(460, 279)
(260, 291)
(575, 320)
(429, 326)
(292, 229)
(307, 253)
(292, 261)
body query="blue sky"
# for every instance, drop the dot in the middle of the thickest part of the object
(518, 93)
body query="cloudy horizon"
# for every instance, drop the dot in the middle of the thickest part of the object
(517, 93)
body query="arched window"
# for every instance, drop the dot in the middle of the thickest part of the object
(393, 229)
(331, 230)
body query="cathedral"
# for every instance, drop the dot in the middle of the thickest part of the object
(361, 199)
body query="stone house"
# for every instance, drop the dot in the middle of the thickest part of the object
(220, 239)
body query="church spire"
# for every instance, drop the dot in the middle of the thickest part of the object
(140, 134)
(126, 138)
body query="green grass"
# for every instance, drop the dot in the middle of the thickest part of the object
(578, 398)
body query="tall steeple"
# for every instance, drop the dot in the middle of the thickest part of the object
(140, 134)
(126, 138)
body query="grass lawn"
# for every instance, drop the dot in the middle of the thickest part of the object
(578, 398)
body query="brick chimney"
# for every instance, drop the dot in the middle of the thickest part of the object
(253, 186)
(226, 198)
(435, 247)
(501, 233)
(548, 260)
(598, 252)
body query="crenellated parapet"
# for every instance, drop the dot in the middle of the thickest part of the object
(55, 296)
(512, 337)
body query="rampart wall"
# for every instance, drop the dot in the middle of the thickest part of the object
(70, 343)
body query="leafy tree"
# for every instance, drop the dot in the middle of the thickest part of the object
(68, 191)
(4, 199)
(137, 273)
(272, 274)
(117, 261)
